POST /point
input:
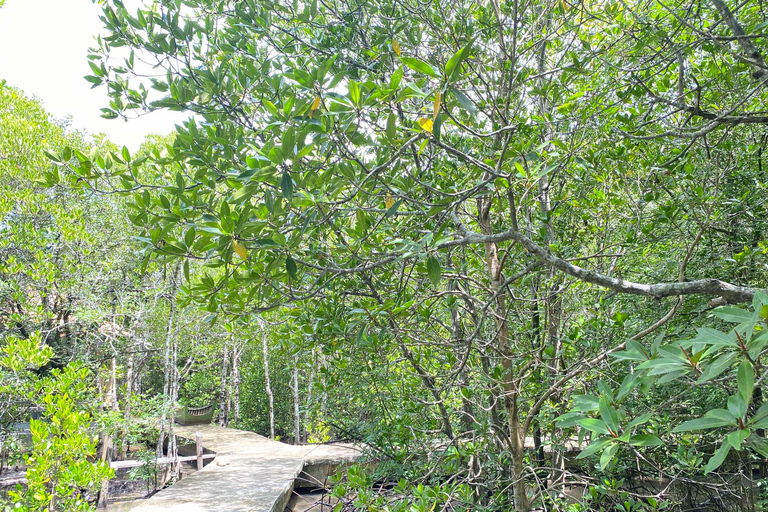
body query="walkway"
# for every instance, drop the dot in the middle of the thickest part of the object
(250, 473)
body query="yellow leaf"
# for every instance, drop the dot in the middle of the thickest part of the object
(426, 124)
(389, 201)
(239, 249)
(315, 106)
(396, 47)
(437, 107)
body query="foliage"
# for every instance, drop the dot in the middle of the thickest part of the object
(713, 357)
(437, 195)
(462, 220)
(148, 471)
(60, 475)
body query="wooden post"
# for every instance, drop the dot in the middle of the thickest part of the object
(103, 498)
(199, 448)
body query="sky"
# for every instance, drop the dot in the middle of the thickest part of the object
(43, 51)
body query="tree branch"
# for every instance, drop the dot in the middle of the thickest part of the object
(709, 287)
(751, 52)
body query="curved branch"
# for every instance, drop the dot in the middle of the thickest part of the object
(709, 287)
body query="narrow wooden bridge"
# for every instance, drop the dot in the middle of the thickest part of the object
(250, 473)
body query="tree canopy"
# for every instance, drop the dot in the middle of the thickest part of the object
(488, 227)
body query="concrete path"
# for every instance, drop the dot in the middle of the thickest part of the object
(250, 473)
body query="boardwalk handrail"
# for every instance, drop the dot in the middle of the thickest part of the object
(134, 463)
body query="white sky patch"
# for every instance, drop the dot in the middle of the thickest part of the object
(43, 51)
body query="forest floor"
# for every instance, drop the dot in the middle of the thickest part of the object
(310, 501)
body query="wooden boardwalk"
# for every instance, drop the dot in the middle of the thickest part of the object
(250, 473)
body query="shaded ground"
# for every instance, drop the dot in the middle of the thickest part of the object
(316, 501)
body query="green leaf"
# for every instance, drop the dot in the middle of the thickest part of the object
(609, 415)
(568, 419)
(645, 440)
(286, 185)
(434, 270)
(715, 337)
(362, 221)
(721, 414)
(354, 92)
(758, 444)
(718, 366)
(393, 209)
(108, 113)
(453, 66)
(275, 155)
(464, 101)
(643, 418)
(737, 406)
(635, 351)
(594, 425)
(732, 314)
(607, 456)
(628, 384)
(437, 127)
(189, 236)
(586, 403)
(704, 423)
(287, 142)
(420, 66)
(245, 193)
(391, 126)
(594, 447)
(51, 156)
(290, 266)
(746, 378)
(735, 439)
(718, 458)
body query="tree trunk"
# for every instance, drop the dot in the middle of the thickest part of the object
(296, 416)
(503, 345)
(268, 385)
(109, 401)
(457, 328)
(174, 396)
(169, 332)
(308, 401)
(127, 407)
(236, 353)
(229, 389)
(223, 395)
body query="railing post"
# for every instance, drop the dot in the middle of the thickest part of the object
(199, 447)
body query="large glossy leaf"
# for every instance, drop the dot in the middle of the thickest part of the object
(718, 458)
(453, 66)
(434, 270)
(286, 185)
(594, 425)
(420, 66)
(645, 440)
(732, 314)
(719, 419)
